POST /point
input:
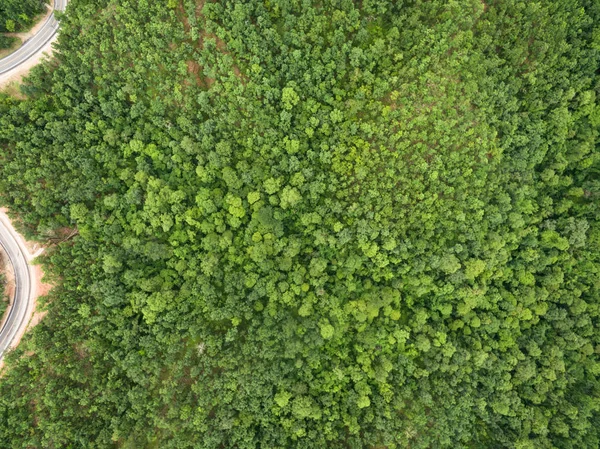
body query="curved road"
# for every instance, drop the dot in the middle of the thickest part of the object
(22, 304)
(34, 44)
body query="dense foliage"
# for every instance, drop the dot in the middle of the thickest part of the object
(7, 41)
(332, 224)
(17, 14)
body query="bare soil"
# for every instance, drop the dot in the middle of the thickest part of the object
(41, 289)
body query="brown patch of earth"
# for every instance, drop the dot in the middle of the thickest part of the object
(41, 289)
(13, 89)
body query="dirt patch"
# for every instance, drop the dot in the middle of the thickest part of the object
(41, 289)
(200, 6)
(13, 89)
(183, 16)
(195, 70)
(204, 35)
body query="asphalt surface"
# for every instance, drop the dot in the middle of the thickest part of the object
(35, 43)
(22, 301)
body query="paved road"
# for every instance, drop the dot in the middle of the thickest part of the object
(22, 304)
(34, 44)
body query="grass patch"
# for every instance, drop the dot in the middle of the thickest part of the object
(13, 89)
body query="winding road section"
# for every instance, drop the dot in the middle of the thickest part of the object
(34, 44)
(24, 298)
(22, 304)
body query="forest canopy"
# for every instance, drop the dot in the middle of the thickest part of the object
(332, 224)
(16, 14)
